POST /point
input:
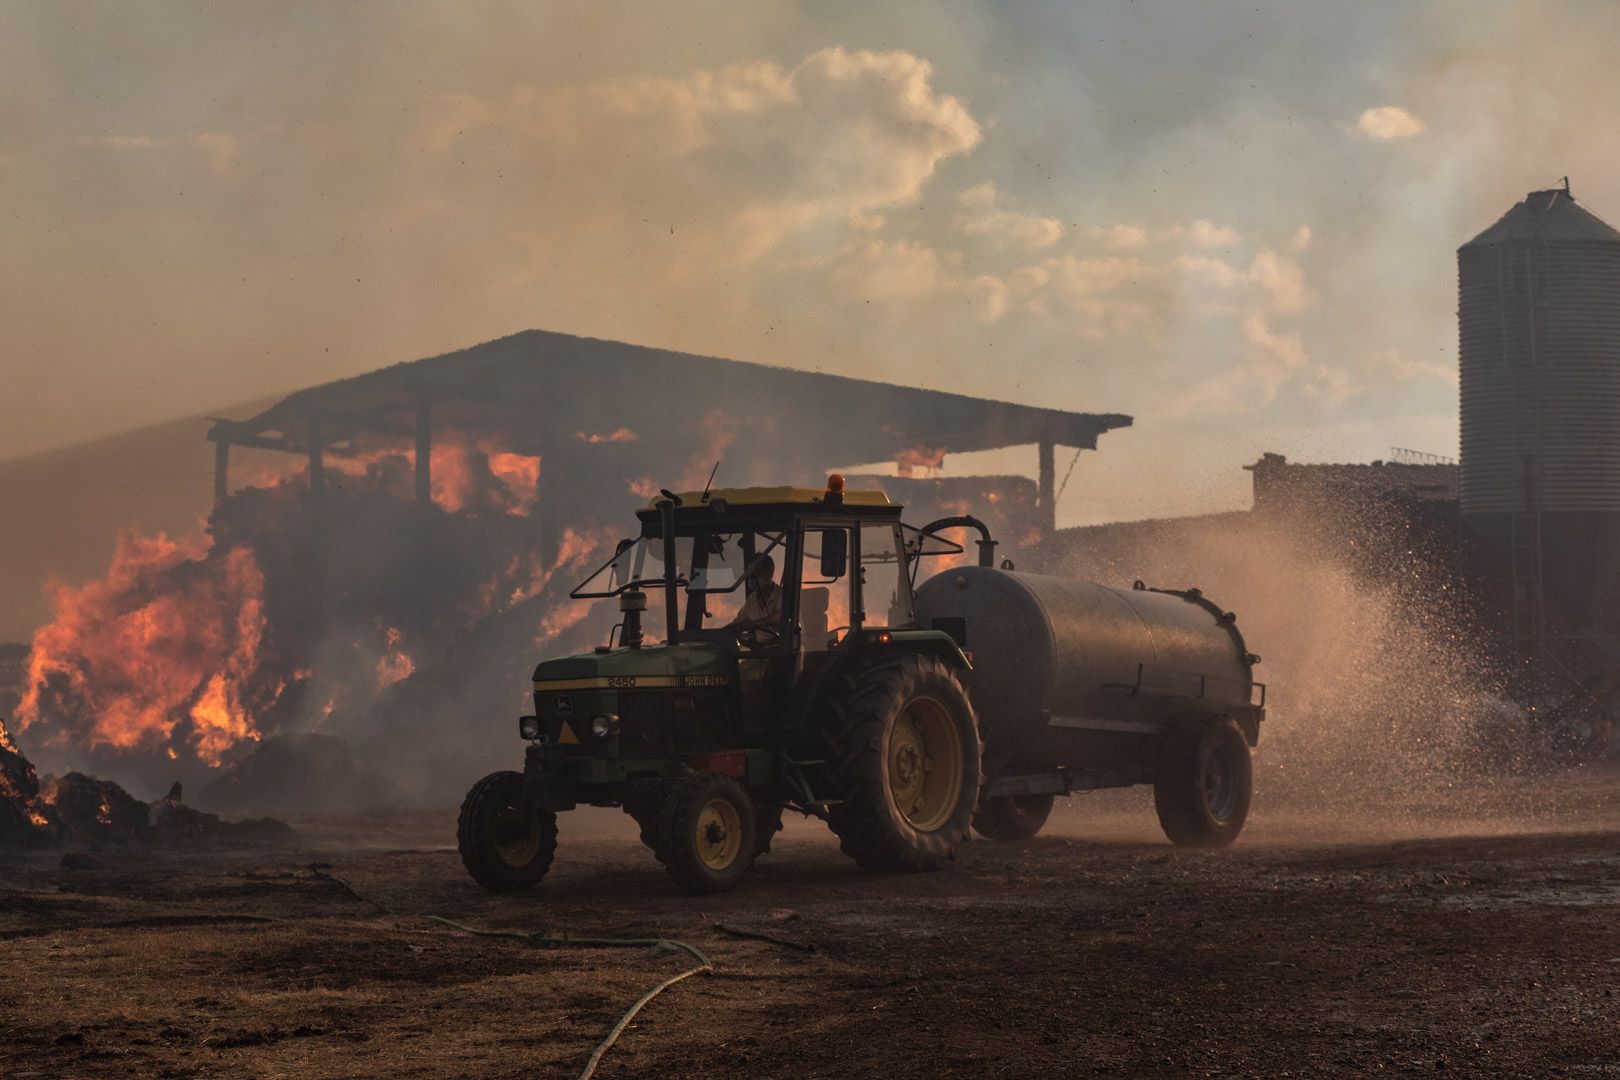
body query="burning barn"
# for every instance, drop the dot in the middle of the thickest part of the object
(383, 547)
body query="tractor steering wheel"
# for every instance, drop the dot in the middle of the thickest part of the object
(759, 637)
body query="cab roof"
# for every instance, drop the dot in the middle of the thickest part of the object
(785, 496)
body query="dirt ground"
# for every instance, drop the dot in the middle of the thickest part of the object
(1432, 939)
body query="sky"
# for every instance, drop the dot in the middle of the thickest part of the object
(1236, 222)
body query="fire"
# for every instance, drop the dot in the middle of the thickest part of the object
(521, 475)
(558, 619)
(928, 459)
(621, 435)
(470, 475)
(718, 434)
(577, 549)
(395, 664)
(467, 475)
(159, 653)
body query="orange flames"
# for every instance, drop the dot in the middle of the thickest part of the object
(467, 474)
(461, 472)
(395, 664)
(149, 657)
(622, 435)
(577, 549)
(927, 459)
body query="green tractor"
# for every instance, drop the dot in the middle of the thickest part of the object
(810, 689)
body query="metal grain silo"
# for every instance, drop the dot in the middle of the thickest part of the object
(1539, 320)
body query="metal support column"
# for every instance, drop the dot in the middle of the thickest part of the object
(424, 449)
(1048, 489)
(547, 513)
(317, 468)
(222, 471)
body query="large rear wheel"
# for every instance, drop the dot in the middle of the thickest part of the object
(908, 764)
(1204, 783)
(507, 839)
(706, 833)
(1012, 817)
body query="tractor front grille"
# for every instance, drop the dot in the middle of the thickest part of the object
(644, 723)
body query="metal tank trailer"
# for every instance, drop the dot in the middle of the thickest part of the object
(1080, 686)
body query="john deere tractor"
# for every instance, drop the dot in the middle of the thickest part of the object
(816, 689)
(790, 675)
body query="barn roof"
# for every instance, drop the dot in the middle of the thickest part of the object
(526, 391)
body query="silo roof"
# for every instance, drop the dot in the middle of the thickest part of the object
(1547, 215)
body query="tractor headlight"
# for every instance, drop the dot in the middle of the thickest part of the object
(529, 727)
(603, 726)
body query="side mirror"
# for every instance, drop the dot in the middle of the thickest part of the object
(834, 553)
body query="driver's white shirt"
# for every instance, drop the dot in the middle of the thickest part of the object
(762, 608)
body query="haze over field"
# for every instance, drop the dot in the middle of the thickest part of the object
(1235, 222)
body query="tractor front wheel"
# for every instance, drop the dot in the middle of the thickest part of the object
(507, 839)
(908, 762)
(707, 835)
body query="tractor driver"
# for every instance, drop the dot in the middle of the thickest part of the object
(763, 608)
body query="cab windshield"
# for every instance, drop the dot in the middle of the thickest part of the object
(709, 562)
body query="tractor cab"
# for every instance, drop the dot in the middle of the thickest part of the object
(779, 572)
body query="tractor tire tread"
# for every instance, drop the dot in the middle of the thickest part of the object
(479, 856)
(1177, 791)
(675, 820)
(864, 821)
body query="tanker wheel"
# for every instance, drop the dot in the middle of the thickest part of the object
(1204, 784)
(706, 833)
(643, 810)
(507, 839)
(767, 823)
(1012, 817)
(908, 754)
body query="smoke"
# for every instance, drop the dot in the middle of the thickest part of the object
(1383, 702)
(1094, 207)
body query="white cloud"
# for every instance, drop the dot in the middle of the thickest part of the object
(1201, 233)
(219, 153)
(1208, 234)
(1389, 122)
(115, 141)
(978, 195)
(744, 157)
(1119, 237)
(880, 271)
(1016, 228)
(1391, 364)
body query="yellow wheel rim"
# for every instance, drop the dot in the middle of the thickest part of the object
(517, 833)
(718, 834)
(925, 764)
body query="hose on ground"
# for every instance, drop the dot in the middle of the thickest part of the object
(562, 941)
